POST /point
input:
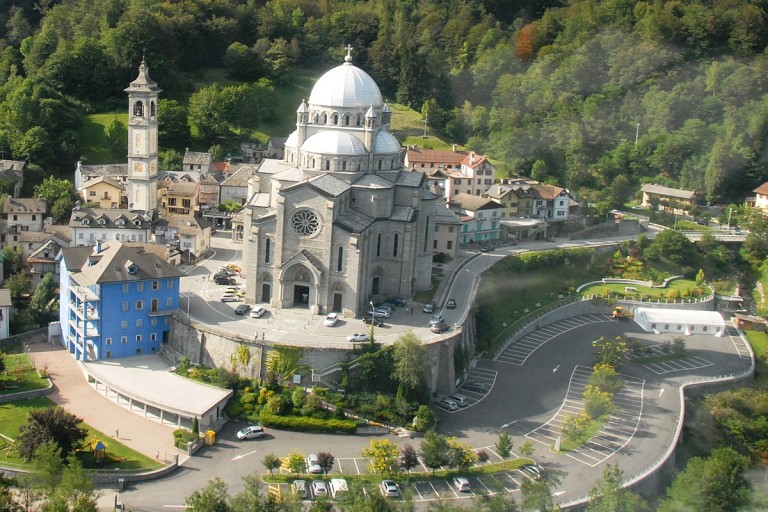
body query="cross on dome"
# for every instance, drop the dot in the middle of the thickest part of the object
(348, 57)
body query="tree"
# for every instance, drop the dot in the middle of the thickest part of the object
(12, 263)
(611, 352)
(117, 137)
(52, 189)
(173, 130)
(297, 463)
(504, 445)
(715, 484)
(51, 424)
(214, 497)
(325, 460)
(408, 458)
(61, 210)
(271, 462)
(17, 284)
(537, 495)
(460, 455)
(527, 448)
(42, 296)
(424, 419)
(76, 487)
(7, 497)
(383, 457)
(607, 495)
(410, 361)
(433, 450)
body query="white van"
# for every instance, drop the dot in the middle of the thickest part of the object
(338, 486)
(461, 484)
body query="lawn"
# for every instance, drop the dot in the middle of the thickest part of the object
(14, 414)
(93, 144)
(681, 286)
(21, 375)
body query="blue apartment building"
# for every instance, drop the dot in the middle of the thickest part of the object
(116, 301)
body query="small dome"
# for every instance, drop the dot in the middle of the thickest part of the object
(385, 144)
(346, 86)
(334, 142)
(291, 141)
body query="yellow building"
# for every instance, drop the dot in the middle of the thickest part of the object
(105, 191)
(179, 198)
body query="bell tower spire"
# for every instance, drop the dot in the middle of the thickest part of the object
(142, 141)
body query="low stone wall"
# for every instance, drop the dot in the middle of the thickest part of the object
(23, 395)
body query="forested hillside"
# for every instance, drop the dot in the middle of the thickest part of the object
(598, 96)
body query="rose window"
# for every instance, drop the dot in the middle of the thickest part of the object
(305, 223)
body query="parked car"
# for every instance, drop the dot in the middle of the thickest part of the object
(386, 306)
(228, 297)
(440, 328)
(338, 487)
(389, 489)
(436, 319)
(477, 387)
(251, 432)
(460, 400)
(313, 465)
(378, 322)
(429, 307)
(226, 271)
(451, 304)
(224, 280)
(299, 488)
(257, 312)
(486, 248)
(532, 471)
(242, 309)
(331, 319)
(461, 484)
(396, 301)
(450, 405)
(358, 337)
(381, 313)
(319, 488)
(234, 290)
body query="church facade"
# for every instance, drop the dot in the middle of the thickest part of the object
(338, 222)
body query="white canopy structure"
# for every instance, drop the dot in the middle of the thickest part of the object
(681, 321)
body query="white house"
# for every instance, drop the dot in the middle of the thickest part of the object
(680, 321)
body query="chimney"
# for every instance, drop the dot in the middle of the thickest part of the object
(453, 148)
(472, 158)
(97, 249)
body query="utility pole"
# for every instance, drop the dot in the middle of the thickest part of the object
(637, 133)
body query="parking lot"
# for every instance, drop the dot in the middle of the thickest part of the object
(671, 365)
(518, 352)
(476, 387)
(614, 434)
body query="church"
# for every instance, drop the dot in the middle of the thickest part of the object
(338, 222)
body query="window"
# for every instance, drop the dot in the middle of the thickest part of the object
(125, 305)
(139, 322)
(155, 285)
(109, 341)
(561, 203)
(267, 247)
(340, 260)
(378, 246)
(169, 302)
(169, 284)
(123, 339)
(153, 321)
(450, 229)
(561, 213)
(139, 305)
(394, 245)
(434, 244)
(139, 287)
(138, 338)
(124, 324)
(138, 351)
(153, 336)
(109, 353)
(92, 193)
(449, 246)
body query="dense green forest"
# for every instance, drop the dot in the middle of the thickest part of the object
(599, 96)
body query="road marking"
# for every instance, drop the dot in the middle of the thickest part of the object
(244, 455)
(507, 424)
(661, 392)
(555, 368)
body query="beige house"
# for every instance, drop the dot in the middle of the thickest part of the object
(197, 162)
(107, 192)
(447, 228)
(191, 235)
(178, 198)
(12, 175)
(516, 197)
(22, 215)
(666, 197)
(761, 196)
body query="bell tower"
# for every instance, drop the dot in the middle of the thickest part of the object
(142, 141)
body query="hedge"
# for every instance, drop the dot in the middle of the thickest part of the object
(306, 424)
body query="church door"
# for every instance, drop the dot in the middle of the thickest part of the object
(375, 286)
(300, 296)
(266, 294)
(337, 302)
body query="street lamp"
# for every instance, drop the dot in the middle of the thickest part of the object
(373, 319)
(606, 223)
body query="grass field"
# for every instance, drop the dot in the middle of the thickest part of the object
(21, 375)
(93, 144)
(679, 285)
(14, 414)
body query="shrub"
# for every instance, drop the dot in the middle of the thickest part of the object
(482, 456)
(304, 424)
(596, 402)
(182, 436)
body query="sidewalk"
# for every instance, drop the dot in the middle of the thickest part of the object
(72, 392)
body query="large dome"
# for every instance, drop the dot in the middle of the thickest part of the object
(333, 142)
(346, 86)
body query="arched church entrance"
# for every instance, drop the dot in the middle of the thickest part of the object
(266, 292)
(298, 286)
